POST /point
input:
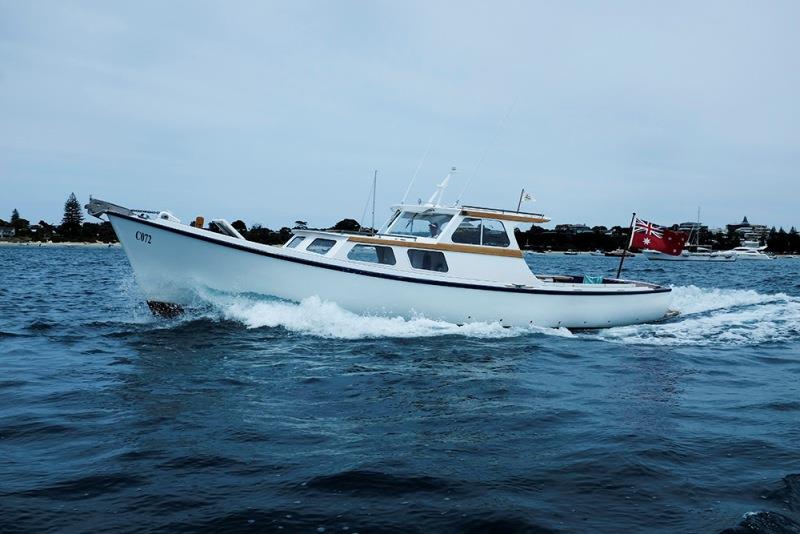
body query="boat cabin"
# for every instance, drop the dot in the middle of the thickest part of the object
(457, 242)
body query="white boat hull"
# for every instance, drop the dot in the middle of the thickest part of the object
(749, 256)
(170, 265)
(689, 256)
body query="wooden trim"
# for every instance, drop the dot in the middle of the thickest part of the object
(516, 217)
(468, 249)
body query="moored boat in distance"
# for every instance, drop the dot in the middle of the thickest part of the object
(751, 250)
(693, 251)
(459, 264)
(698, 254)
(618, 253)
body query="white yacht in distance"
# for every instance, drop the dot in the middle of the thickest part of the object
(751, 250)
(693, 250)
(696, 254)
(454, 263)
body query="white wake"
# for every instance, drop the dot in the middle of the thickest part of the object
(706, 317)
(316, 317)
(717, 317)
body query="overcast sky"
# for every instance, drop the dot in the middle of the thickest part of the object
(277, 111)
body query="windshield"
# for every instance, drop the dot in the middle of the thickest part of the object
(419, 224)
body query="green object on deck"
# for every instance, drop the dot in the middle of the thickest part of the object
(592, 279)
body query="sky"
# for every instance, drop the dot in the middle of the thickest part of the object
(272, 112)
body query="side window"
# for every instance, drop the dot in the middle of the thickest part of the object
(321, 246)
(372, 254)
(468, 232)
(296, 240)
(430, 260)
(494, 233)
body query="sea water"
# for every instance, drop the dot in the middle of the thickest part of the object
(260, 415)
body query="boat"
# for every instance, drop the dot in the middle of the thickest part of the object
(693, 251)
(697, 254)
(618, 253)
(751, 250)
(597, 252)
(459, 264)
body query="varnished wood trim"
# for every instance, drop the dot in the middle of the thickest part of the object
(469, 249)
(516, 217)
(260, 250)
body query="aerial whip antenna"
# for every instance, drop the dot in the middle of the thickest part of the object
(374, 193)
(424, 157)
(486, 149)
(370, 197)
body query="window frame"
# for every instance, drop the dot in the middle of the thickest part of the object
(480, 232)
(375, 247)
(297, 239)
(332, 241)
(421, 216)
(431, 252)
(505, 233)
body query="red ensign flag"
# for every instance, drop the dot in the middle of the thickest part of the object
(649, 236)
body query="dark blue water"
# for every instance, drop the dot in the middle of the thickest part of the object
(259, 415)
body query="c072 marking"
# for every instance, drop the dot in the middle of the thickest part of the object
(143, 237)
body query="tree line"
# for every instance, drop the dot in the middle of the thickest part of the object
(260, 234)
(537, 238)
(73, 228)
(783, 242)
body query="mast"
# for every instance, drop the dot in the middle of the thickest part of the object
(625, 252)
(436, 197)
(697, 229)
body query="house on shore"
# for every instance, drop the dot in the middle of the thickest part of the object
(7, 232)
(749, 232)
(573, 229)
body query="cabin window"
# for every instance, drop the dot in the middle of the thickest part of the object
(419, 224)
(321, 246)
(430, 260)
(372, 254)
(391, 221)
(487, 232)
(494, 234)
(296, 240)
(468, 232)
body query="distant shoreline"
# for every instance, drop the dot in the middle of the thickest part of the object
(37, 244)
(50, 244)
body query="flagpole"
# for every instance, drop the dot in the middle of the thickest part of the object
(625, 252)
(521, 194)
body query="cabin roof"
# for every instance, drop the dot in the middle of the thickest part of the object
(426, 208)
(476, 211)
(504, 215)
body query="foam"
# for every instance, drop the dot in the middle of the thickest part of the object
(717, 317)
(724, 317)
(316, 317)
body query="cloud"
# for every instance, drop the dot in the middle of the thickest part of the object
(273, 112)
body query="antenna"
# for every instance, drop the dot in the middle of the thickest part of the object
(366, 204)
(374, 193)
(419, 166)
(486, 149)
